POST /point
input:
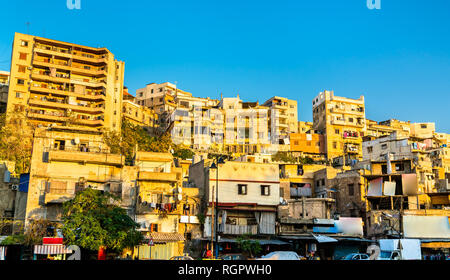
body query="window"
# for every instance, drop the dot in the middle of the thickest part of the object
(19, 95)
(300, 170)
(160, 89)
(24, 43)
(308, 143)
(336, 131)
(423, 126)
(334, 145)
(399, 167)
(384, 146)
(20, 82)
(22, 56)
(351, 189)
(242, 189)
(153, 227)
(60, 145)
(21, 69)
(350, 119)
(370, 149)
(265, 190)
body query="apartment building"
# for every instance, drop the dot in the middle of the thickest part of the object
(55, 82)
(135, 113)
(245, 126)
(342, 121)
(403, 128)
(159, 97)
(427, 160)
(307, 145)
(66, 160)
(247, 196)
(297, 180)
(158, 208)
(283, 116)
(4, 87)
(399, 206)
(231, 126)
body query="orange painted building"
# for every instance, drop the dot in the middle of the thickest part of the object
(307, 143)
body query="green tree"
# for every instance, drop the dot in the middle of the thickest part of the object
(37, 230)
(16, 141)
(284, 157)
(92, 220)
(182, 152)
(134, 136)
(250, 247)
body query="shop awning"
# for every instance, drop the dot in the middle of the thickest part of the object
(260, 241)
(166, 236)
(51, 249)
(435, 243)
(324, 238)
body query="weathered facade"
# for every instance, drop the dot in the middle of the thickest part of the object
(55, 82)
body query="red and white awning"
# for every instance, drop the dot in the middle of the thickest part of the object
(51, 249)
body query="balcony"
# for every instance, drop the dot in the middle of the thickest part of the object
(75, 68)
(94, 156)
(47, 117)
(44, 77)
(158, 176)
(52, 198)
(61, 105)
(65, 92)
(238, 229)
(51, 50)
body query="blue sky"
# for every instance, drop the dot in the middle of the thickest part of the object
(397, 57)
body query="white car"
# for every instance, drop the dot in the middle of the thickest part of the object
(357, 257)
(281, 255)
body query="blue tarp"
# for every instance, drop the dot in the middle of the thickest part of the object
(325, 229)
(23, 182)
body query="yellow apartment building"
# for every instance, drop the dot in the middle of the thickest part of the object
(135, 113)
(55, 82)
(307, 144)
(283, 116)
(159, 97)
(67, 160)
(297, 180)
(162, 206)
(342, 121)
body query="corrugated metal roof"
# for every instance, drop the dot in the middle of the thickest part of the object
(324, 239)
(260, 241)
(166, 236)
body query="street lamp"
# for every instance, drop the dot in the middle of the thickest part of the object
(215, 165)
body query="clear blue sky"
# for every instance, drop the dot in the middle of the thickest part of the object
(397, 57)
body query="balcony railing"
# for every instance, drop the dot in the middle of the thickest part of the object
(238, 229)
(84, 154)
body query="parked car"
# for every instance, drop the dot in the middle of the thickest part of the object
(233, 257)
(181, 258)
(281, 255)
(356, 257)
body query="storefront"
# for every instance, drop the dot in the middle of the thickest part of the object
(51, 252)
(160, 246)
